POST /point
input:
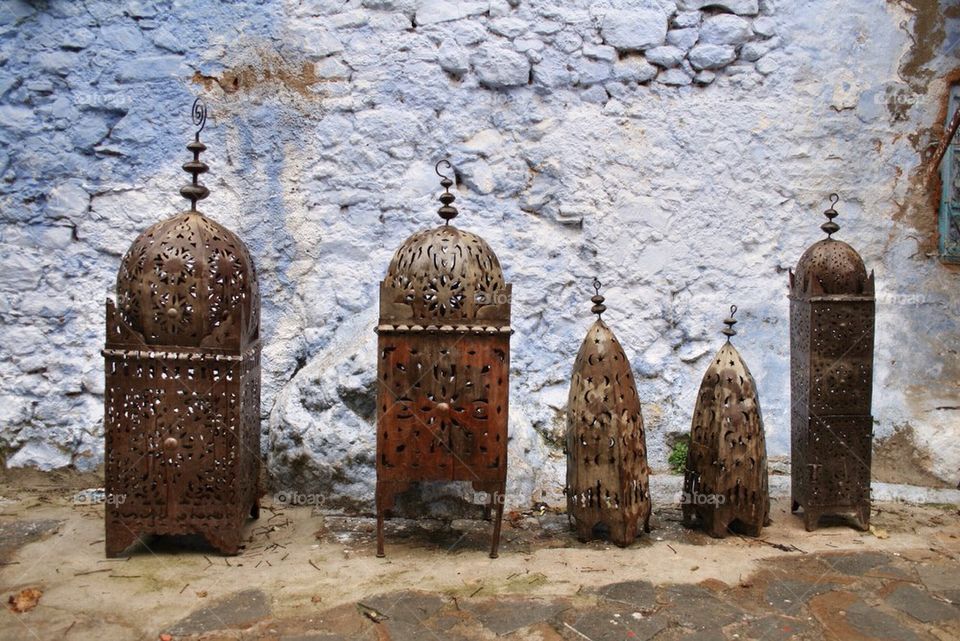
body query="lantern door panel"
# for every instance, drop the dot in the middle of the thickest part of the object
(173, 451)
(841, 357)
(439, 404)
(838, 464)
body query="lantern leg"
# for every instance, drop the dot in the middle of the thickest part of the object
(498, 500)
(863, 517)
(226, 540)
(794, 505)
(488, 508)
(646, 522)
(750, 529)
(118, 538)
(381, 509)
(717, 527)
(811, 518)
(255, 509)
(689, 516)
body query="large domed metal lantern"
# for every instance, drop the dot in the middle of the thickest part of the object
(443, 353)
(832, 311)
(182, 400)
(607, 488)
(725, 484)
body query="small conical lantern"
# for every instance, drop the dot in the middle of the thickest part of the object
(443, 366)
(725, 484)
(607, 474)
(832, 314)
(182, 396)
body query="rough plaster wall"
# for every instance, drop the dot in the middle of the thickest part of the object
(574, 160)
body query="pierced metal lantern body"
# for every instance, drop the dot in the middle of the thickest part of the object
(725, 484)
(182, 400)
(832, 312)
(607, 486)
(443, 354)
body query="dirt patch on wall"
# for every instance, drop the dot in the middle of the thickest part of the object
(896, 459)
(255, 69)
(929, 33)
(929, 36)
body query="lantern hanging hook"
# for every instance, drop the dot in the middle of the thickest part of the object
(196, 191)
(199, 114)
(729, 331)
(447, 211)
(831, 227)
(598, 307)
(436, 168)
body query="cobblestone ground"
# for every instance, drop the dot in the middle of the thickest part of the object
(305, 576)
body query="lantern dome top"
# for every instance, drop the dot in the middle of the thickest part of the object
(188, 281)
(446, 274)
(831, 266)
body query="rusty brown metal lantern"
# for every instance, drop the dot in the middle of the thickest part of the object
(443, 353)
(607, 488)
(182, 363)
(832, 312)
(725, 485)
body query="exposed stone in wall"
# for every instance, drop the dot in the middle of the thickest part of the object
(681, 151)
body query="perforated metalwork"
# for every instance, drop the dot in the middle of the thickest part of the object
(443, 353)
(832, 314)
(607, 485)
(725, 483)
(182, 368)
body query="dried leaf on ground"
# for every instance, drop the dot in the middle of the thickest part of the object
(25, 600)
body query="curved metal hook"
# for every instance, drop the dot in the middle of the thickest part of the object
(834, 199)
(733, 310)
(198, 112)
(437, 168)
(597, 284)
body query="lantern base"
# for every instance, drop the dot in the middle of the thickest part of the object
(388, 490)
(719, 522)
(223, 537)
(621, 532)
(860, 514)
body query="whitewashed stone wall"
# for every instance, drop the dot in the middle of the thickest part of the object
(680, 150)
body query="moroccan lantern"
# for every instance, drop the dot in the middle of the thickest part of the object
(832, 312)
(725, 483)
(608, 491)
(443, 353)
(182, 364)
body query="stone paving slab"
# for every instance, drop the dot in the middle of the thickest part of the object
(791, 595)
(639, 595)
(610, 624)
(237, 611)
(696, 607)
(856, 564)
(502, 616)
(16, 534)
(920, 605)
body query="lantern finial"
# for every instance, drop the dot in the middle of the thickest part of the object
(831, 227)
(729, 331)
(195, 191)
(597, 300)
(448, 212)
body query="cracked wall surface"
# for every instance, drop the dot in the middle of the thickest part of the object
(681, 150)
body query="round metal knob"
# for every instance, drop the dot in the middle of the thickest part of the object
(171, 444)
(443, 407)
(172, 312)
